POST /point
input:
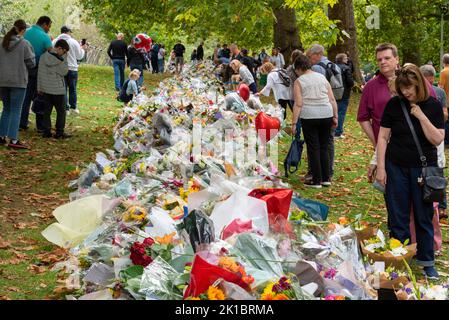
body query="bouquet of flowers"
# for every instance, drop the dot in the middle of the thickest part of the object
(279, 290)
(392, 252)
(143, 253)
(390, 278)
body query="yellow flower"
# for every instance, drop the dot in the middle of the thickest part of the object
(228, 264)
(395, 243)
(269, 288)
(107, 169)
(267, 296)
(193, 298)
(214, 293)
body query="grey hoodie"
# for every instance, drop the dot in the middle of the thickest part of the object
(15, 62)
(51, 72)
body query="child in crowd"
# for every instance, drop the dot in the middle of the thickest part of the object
(53, 67)
(130, 88)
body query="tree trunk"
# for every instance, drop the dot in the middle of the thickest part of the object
(286, 32)
(344, 11)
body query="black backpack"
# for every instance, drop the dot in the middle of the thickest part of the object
(285, 78)
(122, 96)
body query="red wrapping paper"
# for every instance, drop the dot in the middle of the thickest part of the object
(278, 202)
(236, 226)
(204, 274)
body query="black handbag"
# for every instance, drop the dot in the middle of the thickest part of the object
(432, 178)
(293, 159)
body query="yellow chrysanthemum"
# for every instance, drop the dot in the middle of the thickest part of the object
(395, 243)
(214, 293)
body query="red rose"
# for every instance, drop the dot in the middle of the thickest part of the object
(139, 253)
(148, 242)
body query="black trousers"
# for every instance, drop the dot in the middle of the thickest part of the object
(155, 64)
(317, 135)
(284, 104)
(57, 101)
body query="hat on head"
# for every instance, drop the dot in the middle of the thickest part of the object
(65, 29)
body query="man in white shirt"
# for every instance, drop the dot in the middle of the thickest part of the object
(75, 54)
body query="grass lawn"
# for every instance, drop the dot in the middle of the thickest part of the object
(33, 183)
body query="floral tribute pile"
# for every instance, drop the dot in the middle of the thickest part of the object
(172, 213)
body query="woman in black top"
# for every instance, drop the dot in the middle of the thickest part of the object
(136, 60)
(399, 165)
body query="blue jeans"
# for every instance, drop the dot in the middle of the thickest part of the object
(342, 109)
(71, 80)
(402, 191)
(12, 108)
(140, 68)
(253, 88)
(30, 94)
(119, 73)
(161, 65)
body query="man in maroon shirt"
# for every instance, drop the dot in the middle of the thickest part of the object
(376, 94)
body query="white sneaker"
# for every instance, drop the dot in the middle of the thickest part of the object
(326, 183)
(67, 113)
(76, 111)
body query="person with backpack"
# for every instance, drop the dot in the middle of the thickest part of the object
(279, 81)
(16, 58)
(315, 105)
(348, 82)
(332, 72)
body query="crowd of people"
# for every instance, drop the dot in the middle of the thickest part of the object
(401, 111)
(396, 105)
(38, 72)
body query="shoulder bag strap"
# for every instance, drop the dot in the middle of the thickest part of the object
(422, 157)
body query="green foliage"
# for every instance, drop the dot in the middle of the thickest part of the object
(248, 23)
(11, 10)
(414, 26)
